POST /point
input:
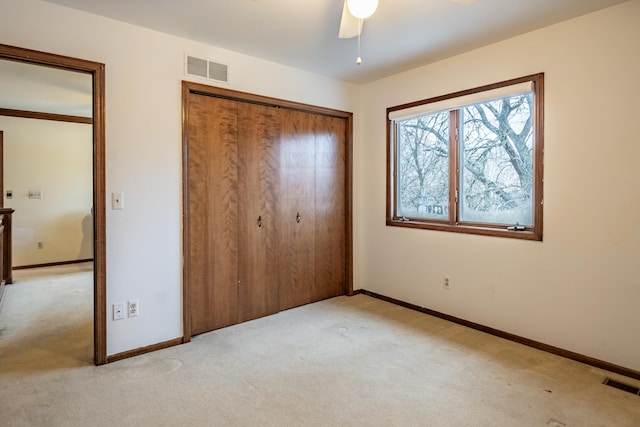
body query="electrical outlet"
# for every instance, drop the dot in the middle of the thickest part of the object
(118, 311)
(446, 282)
(134, 307)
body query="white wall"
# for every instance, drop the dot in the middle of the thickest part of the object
(143, 142)
(56, 159)
(576, 290)
(579, 288)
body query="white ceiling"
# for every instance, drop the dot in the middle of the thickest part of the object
(401, 35)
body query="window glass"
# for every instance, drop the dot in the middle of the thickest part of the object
(423, 165)
(496, 156)
(469, 161)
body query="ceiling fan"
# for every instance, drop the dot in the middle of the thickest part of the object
(354, 12)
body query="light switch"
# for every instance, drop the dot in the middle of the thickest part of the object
(118, 311)
(35, 194)
(117, 201)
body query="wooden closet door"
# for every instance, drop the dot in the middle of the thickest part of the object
(258, 141)
(211, 213)
(330, 211)
(296, 209)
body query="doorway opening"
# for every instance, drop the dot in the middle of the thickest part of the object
(96, 71)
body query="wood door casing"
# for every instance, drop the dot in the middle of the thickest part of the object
(258, 141)
(97, 71)
(2, 168)
(212, 204)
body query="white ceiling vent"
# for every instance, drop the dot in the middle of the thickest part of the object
(206, 69)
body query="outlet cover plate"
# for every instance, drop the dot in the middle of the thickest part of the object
(134, 307)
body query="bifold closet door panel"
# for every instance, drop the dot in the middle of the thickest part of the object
(258, 141)
(330, 212)
(212, 211)
(296, 209)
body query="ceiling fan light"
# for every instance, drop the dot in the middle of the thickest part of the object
(362, 9)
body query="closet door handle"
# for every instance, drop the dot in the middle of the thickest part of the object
(298, 217)
(259, 221)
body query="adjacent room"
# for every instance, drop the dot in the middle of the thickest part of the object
(310, 213)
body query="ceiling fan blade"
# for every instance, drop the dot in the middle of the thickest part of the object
(350, 26)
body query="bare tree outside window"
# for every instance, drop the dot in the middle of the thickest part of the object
(424, 165)
(497, 159)
(494, 149)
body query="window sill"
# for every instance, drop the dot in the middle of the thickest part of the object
(528, 234)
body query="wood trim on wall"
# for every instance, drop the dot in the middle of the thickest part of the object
(2, 169)
(144, 350)
(197, 88)
(97, 70)
(186, 241)
(511, 337)
(349, 206)
(51, 264)
(44, 116)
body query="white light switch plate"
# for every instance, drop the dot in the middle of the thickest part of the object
(118, 311)
(117, 201)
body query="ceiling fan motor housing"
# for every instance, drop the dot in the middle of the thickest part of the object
(362, 9)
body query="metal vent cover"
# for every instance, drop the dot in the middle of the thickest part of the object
(206, 69)
(218, 71)
(197, 67)
(622, 386)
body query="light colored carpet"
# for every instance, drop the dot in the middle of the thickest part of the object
(342, 362)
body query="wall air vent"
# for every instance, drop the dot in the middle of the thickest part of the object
(206, 69)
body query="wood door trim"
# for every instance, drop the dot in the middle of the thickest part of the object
(186, 241)
(2, 169)
(197, 88)
(97, 70)
(189, 88)
(45, 116)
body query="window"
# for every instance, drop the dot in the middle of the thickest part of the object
(470, 161)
